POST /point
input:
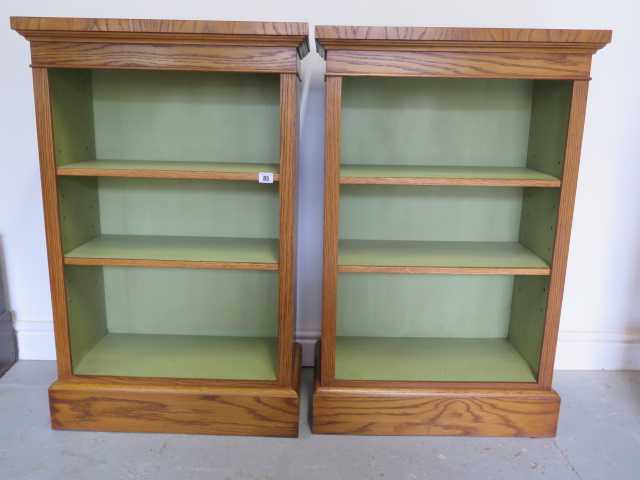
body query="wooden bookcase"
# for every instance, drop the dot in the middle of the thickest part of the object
(451, 165)
(172, 267)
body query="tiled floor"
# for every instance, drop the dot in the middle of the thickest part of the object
(598, 439)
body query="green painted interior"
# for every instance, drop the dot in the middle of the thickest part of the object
(429, 171)
(539, 218)
(86, 309)
(390, 212)
(177, 301)
(407, 305)
(417, 121)
(79, 211)
(182, 356)
(215, 208)
(72, 115)
(528, 310)
(176, 166)
(437, 254)
(205, 249)
(186, 116)
(430, 359)
(549, 125)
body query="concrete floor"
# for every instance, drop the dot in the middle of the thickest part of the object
(598, 438)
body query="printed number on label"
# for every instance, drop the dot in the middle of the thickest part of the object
(265, 177)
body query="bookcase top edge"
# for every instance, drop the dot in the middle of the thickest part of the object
(121, 25)
(330, 37)
(165, 31)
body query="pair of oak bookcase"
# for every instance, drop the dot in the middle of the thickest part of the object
(168, 157)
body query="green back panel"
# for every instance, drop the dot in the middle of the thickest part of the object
(414, 121)
(182, 356)
(190, 116)
(404, 305)
(191, 301)
(86, 309)
(79, 210)
(539, 217)
(385, 212)
(72, 115)
(528, 310)
(188, 207)
(430, 359)
(549, 126)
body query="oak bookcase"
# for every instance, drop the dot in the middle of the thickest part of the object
(451, 165)
(171, 265)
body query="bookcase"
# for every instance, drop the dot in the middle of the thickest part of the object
(167, 152)
(451, 166)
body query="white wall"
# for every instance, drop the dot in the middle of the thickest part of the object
(600, 325)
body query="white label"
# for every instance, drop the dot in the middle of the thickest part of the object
(265, 177)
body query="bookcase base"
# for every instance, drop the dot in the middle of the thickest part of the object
(268, 412)
(387, 411)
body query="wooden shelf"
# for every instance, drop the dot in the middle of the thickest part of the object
(381, 256)
(445, 175)
(177, 252)
(165, 169)
(182, 356)
(430, 359)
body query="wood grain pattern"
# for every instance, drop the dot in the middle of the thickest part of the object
(459, 64)
(164, 57)
(331, 217)
(286, 278)
(52, 220)
(489, 35)
(117, 30)
(460, 182)
(498, 40)
(139, 26)
(563, 231)
(190, 410)
(131, 262)
(529, 413)
(133, 173)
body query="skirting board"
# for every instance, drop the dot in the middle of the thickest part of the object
(576, 350)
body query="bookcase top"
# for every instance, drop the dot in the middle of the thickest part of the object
(332, 37)
(118, 30)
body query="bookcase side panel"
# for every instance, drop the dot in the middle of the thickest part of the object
(72, 115)
(539, 216)
(549, 123)
(528, 312)
(86, 309)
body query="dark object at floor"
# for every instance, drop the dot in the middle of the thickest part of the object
(8, 349)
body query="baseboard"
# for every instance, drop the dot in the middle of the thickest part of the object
(35, 340)
(598, 351)
(576, 350)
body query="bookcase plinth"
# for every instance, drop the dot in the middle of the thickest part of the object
(446, 411)
(269, 412)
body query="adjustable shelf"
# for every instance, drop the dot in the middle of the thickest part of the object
(451, 165)
(392, 256)
(171, 261)
(183, 252)
(166, 169)
(445, 175)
